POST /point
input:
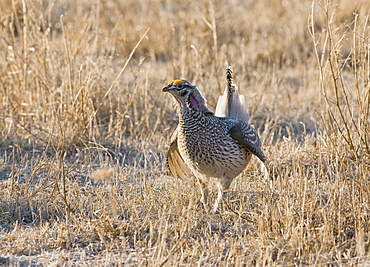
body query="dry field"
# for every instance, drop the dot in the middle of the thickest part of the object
(84, 129)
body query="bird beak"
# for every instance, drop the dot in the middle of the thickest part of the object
(167, 88)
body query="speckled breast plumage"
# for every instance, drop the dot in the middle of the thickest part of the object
(208, 148)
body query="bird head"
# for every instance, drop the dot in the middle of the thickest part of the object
(187, 95)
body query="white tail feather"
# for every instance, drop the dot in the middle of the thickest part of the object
(233, 106)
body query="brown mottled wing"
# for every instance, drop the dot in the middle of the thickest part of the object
(175, 162)
(247, 136)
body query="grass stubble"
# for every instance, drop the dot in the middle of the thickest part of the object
(84, 130)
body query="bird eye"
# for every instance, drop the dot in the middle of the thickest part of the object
(180, 85)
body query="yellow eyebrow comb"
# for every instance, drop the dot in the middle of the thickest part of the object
(176, 82)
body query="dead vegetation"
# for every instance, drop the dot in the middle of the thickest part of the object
(84, 129)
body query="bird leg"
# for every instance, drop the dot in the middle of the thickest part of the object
(219, 197)
(222, 186)
(204, 191)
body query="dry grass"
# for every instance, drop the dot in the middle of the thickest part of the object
(84, 130)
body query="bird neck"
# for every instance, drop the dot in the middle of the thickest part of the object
(193, 108)
(193, 103)
(189, 104)
(189, 115)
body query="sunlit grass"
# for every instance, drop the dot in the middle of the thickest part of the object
(84, 131)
